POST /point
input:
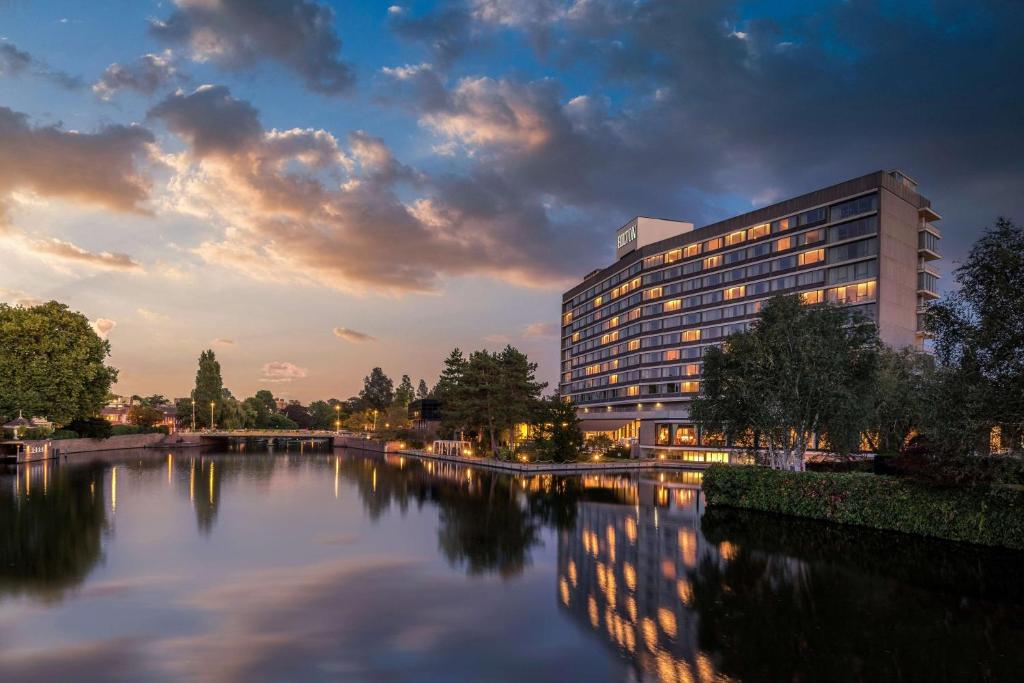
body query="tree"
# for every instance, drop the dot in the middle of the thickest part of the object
(267, 399)
(52, 363)
(899, 405)
(517, 387)
(798, 371)
(298, 414)
(979, 334)
(280, 421)
(422, 391)
(155, 400)
(405, 393)
(378, 390)
(322, 415)
(451, 377)
(559, 436)
(209, 388)
(259, 411)
(144, 416)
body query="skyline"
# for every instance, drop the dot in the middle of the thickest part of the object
(315, 189)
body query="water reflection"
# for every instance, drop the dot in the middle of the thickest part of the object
(451, 572)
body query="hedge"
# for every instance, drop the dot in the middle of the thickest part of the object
(992, 516)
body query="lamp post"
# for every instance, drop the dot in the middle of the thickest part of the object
(374, 419)
(212, 404)
(337, 418)
(192, 400)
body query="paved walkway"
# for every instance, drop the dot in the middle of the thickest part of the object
(558, 467)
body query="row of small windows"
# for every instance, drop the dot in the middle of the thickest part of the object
(845, 252)
(647, 390)
(836, 212)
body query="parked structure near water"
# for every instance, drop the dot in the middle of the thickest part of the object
(634, 332)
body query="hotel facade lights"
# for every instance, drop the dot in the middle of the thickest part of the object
(634, 333)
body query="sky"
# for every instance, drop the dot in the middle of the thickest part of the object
(315, 188)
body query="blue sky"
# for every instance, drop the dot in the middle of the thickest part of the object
(315, 188)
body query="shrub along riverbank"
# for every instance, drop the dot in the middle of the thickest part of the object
(985, 515)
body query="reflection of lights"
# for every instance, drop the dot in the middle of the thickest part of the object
(192, 480)
(170, 462)
(211, 483)
(650, 632)
(375, 480)
(688, 547)
(337, 470)
(685, 592)
(572, 573)
(592, 610)
(563, 591)
(631, 529)
(629, 574)
(667, 621)
(113, 489)
(631, 608)
(727, 550)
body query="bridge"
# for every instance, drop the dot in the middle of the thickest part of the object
(272, 436)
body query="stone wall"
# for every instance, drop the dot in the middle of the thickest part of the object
(116, 443)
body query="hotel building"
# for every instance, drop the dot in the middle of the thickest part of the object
(634, 332)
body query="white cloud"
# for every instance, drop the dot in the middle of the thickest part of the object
(282, 371)
(352, 335)
(103, 326)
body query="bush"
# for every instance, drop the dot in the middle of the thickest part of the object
(36, 433)
(617, 451)
(64, 434)
(124, 430)
(91, 428)
(955, 471)
(992, 516)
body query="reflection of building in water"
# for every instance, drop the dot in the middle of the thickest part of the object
(623, 572)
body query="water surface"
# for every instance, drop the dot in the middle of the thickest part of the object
(320, 565)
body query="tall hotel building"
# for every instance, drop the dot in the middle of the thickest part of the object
(633, 333)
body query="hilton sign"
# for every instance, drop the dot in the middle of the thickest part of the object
(626, 236)
(641, 231)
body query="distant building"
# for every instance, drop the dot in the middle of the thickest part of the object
(120, 415)
(425, 415)
(634, 332)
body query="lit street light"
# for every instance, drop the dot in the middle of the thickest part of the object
(212, 404)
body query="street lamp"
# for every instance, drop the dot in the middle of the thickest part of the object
(212, 404)
(374, 419)
(337, 418)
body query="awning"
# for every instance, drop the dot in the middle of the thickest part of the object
(609, 425)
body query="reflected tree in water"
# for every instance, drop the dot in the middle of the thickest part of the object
(50, 541)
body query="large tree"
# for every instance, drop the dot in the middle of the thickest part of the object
(798, 371)
(517, 387)
(979, 335)
(52, 363)
(209, 389)
(404, 394)
(378, 390)
(422, 391)
(558, 434)
(267, 399)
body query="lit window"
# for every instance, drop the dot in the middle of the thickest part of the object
(671, 354)
(812, 256)
(575, 336)
(758, 231)
(652, 293)
(662, 435)
(673, 256)
(684, 436)
(712, 262)
(815, 297)
(633, 345)
(673, 305)
(691, 250)
(711, 245)
(691, 369)
(783, 243)
(567, 318)
(735, 292)
(735, 237)
(612, 379)
(689, 387)
(786, 223)
(633, 391)
(691, 335)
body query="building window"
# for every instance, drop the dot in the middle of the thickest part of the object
(597, 302)
(758, 231)
(613, 379)
(712, 262)
(815, 297)
(691, 250)
(662, 434)
(671, 354)
(691, 369)
(712, 438)
(735, 292)
(711, 245)
(684, 436)
(673, 305)
(633, 391)
(689, 387)
(673, 256)
(735, 237)
(783, 243)
(633, 345)
(691, 335)
(812, 256)
(652, 293)
(854, 207)
(851, 294)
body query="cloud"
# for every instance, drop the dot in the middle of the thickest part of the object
(220, 341)
(145, 75)
(15, 63)
(296, 208)
(152, 316)
(98, 168)
(539, 330)
(72, 252)
(236, 34)
(19, 298)
(282, 371)
(103, 326)
(352, 335)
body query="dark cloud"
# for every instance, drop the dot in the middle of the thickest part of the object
(211, 120)
(100, 168)
(446, 32)
(712, 105)
(15, 62)
(235, 34)
(297, 208)
(146, 75)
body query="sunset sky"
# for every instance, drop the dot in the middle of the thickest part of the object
(314, 188)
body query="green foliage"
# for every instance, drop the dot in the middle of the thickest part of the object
(378, 390)
(322, 415)
(279, 421)
(959, 471)
(91, 428)
(51, 363)
(799, 370)
(559, 437)
(979, 342)
(267, 399)
(989, 517)
(404, 394)
(422, 391)
(209, 389)
(35, 433)
(144, 416)
(61, 434)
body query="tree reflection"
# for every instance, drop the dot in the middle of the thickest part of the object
(52, 529)
(802, 601)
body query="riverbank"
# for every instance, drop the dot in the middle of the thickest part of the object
(46, 449)
(992, 517)
(392, 448)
